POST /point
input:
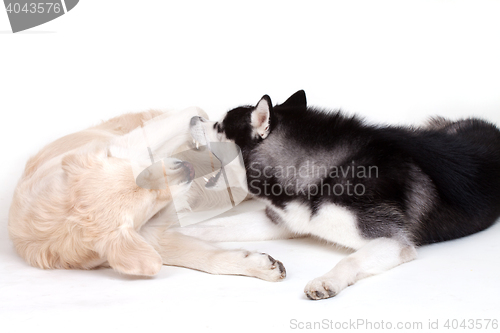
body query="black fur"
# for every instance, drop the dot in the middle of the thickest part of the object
(434, 183)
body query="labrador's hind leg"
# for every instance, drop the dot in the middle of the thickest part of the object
(177, 249)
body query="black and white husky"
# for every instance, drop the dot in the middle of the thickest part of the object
(380, 190)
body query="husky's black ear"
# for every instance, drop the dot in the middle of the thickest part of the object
(296, 100)
(261, 117)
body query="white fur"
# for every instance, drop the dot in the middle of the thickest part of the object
(333, 223)
(338, 225)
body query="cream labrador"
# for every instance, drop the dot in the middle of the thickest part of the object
(78, 206)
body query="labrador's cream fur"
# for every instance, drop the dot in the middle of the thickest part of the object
(77, 205)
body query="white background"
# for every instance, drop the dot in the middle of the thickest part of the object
(390, 61)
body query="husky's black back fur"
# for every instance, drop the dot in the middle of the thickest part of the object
(433, 183)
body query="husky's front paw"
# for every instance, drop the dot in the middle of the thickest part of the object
(323, 287)
(265, 267)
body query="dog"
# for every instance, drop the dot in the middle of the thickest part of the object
(79, 206)
(379, 190)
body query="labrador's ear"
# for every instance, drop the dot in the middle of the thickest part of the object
(261, 117)
(296, 100)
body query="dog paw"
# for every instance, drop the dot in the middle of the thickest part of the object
(265, 267)
(322, 287)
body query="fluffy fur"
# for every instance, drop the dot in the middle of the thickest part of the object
(312, 169)
(77, 205)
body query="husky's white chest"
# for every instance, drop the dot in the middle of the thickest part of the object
(333, 223)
